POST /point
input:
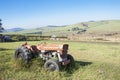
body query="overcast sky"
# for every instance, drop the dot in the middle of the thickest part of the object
(38, 13)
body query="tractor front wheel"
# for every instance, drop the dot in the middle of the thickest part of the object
(52, 65)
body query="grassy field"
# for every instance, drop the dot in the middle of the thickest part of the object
(93, 61)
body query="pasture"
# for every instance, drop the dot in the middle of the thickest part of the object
(93, 61)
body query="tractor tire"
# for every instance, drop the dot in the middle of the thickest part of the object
(72, 62)
(52, 65)
(22, 53)
(18, 53)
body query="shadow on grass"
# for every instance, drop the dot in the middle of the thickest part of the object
(83, 63)
(70, 69)
(4, 49)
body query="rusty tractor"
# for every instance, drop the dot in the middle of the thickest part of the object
(54, 56)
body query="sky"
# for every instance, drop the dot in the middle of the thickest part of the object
(38, 13)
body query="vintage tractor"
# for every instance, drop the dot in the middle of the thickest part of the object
(53, 55)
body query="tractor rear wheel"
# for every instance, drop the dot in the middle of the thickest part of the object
(18, 53)
(72, 62)
(22, 53)
(52, 65)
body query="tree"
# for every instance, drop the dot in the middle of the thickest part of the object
(1, 28)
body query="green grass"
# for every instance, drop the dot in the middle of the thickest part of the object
(93, 61)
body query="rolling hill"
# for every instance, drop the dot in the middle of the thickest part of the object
(78, 28)
(14, 29)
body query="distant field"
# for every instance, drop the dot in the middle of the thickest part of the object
(93, 61)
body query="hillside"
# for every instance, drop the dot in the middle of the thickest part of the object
(82, 27)
(106, 26)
